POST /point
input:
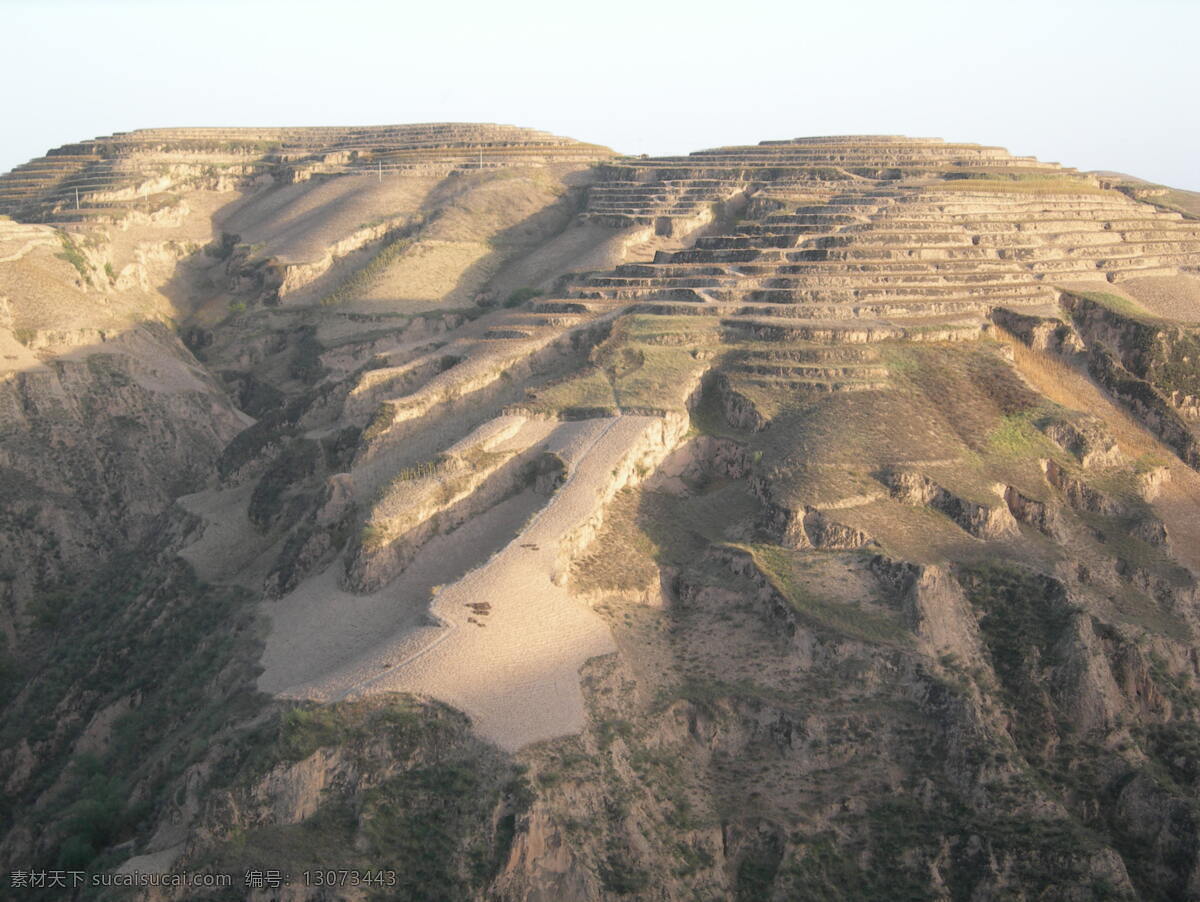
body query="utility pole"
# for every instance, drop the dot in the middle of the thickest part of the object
(76, 198)
(381, 171)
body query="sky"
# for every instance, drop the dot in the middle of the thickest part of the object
(1094, 85)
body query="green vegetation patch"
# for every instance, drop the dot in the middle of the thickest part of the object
(652, 377)
(365, 276)
(961, 404)
(588, 389)
(706, 693)
(73, 255)
(1118, 304)
(1174, 362)
(1173, 200)
(521, 296)
(1006, 174)
(779, 566)
(1017, 441)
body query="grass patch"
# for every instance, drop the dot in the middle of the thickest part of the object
(1018, 438)
(1005, 174)
(362, 278)
(654, 377)
(633, 369)
(73, 255)
(778, 566)
(706, 693)
(521, 296)
(1117, 304)
(1014, 436)
(590, 388)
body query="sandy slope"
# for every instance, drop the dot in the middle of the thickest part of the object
(323, 637)
(515, 670)
(512, 667)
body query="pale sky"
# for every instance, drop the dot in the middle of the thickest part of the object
(1095, 85)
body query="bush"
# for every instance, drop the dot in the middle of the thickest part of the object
(96, 819)
(73, 255)
(521, 295)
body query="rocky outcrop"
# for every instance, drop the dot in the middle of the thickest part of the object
(1085, 438)
(1079, 494)
(544, 865)
(984, 521)
(810, 527)
(700, 458)
(1041, 333)
(1145, 403)
(740, 412)
(938, 612)
(391, 760)
(1037, 514)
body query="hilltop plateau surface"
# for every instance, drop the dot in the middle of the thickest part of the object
(818, 519)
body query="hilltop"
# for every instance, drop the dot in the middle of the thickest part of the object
(812, 519)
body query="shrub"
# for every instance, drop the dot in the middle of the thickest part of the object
(521, 296)
(73, 255)
(96, 818)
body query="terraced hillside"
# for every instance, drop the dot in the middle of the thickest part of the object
(818, 519)
(109, 176)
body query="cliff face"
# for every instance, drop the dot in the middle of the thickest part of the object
(810, 520)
